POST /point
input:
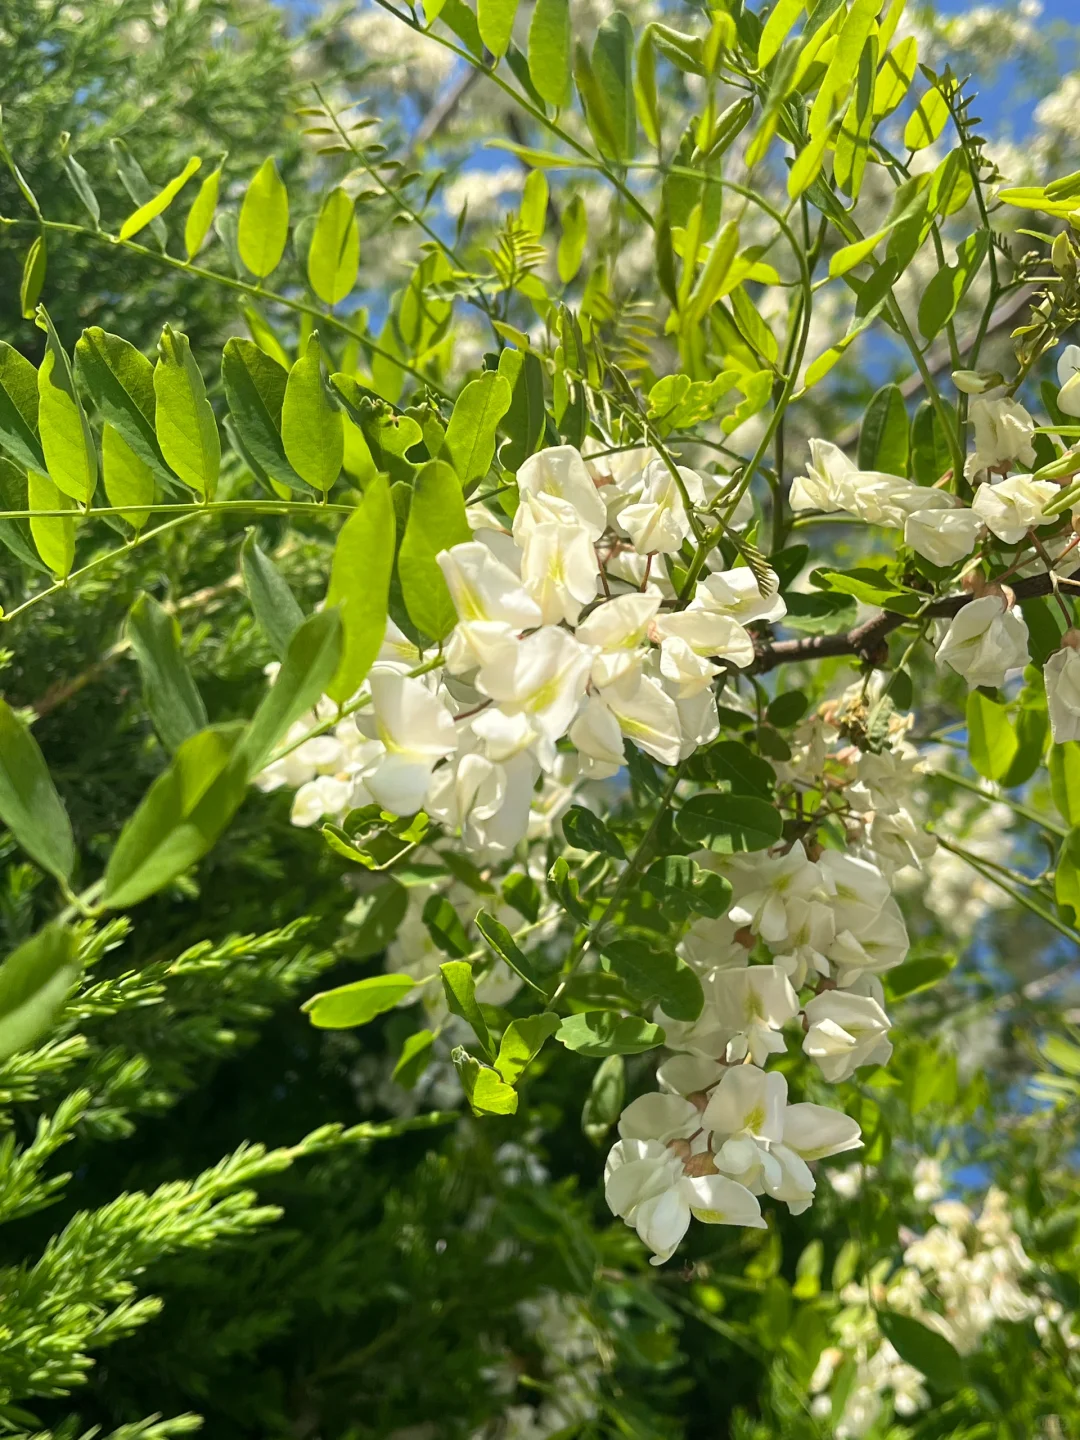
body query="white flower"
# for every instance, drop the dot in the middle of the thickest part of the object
(985, 641)
(1003, 434)
(397, 651)
(1068, 374)
(658, 521)
(942, 536)
(735, 593)
(560, 471)
(698, 721)
(647, 716)
(814, 1131)
(688, 1073)
(834, 482)
(1062, 676)
(545, 678)
(708, 634)
(559, 568)
(645, 1184)
(880, 946)
(1012, 507)
(753, 1004)
(416, 731)
(616, 631)
(488, 802)
(686, 672)
(659, 1117)
(846, 1031)
(491, 603)
(745, 1115)
(325, 795)
(765, 889)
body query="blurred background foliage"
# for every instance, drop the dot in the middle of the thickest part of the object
(463, 1280)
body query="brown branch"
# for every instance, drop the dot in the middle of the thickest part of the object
(867, 642)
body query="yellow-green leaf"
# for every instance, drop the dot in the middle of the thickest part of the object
(360, 585)
(142, 217)
(34, 982)
(129, 481)
(927, 121)
(496, 21)
(334, 253)
(777, 27)
(184, 420)
(436, 522)
(263, 228)
(549, 51)
(201, 215)
(33, 277)
(808, 164)
(312, 425)
(575, 232)
(895, 77)
(849, 256)
(54, 536)
(69, 449)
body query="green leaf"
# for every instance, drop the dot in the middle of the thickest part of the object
(503, 943)
(54, 536)
(1060, 1053)
(884, 436)
(19, 409)
(734, 764)
(645, 89)
(134, 181)
(929, 1352)
(485, 1091)
(263, 227)
(170, 693)
(1067, 875)
(1032, 730)
(34, 983)
(470, 435)
(992, 743)
(128, 482)
(460, 989)
(15, 535)
(549, 51)
(180, 818)
(729, 824)
(33, 277)
(414, 1058)
(521, 1042)
(29, 805)
(277, 613)
(850, 39)
(613, 73)
(120, 381)
(334, 253)
(255, 390)
(522, 893)
(68, 445)
(926, 121)
(358, 1003)
(375, 919)
(604, 1102)
(777, 27)
(1064, 767)
(160, 202)
(823, 614)
(184, 420)
(930, 454)
(871, 586)
(575, 232)
(312, 425)
(201, 215)
(942, 296)
(80, 183)
(313, 656)
(496, 22)
(853, 142)
(603, 1032)
(525, 419)
(586, 831)
(444, 926)
(360, 585)
(436, 522)
(655, 973)
(920, 973)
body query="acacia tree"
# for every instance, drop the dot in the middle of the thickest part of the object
(620, 770)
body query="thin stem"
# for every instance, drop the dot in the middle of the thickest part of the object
(1015, 805)
(1021, 899)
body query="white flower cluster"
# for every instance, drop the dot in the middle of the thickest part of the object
(967, 1272)
(541, 652)
(988, 637)
(805, 943)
